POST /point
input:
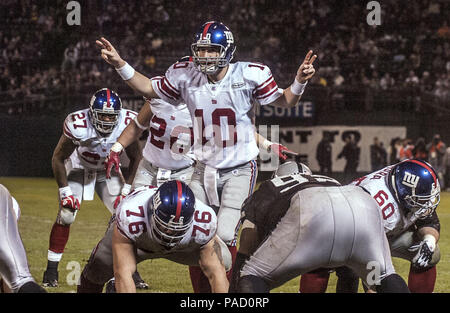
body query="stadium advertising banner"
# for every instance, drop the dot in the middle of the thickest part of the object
(304, 140)
(268, 113)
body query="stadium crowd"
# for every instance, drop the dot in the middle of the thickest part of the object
(404, 61)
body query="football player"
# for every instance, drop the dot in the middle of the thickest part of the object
(165, 222)
(167, 153)
(219, 96)
(78, 166)
(14, 268)
(291, 215)
(407, 194)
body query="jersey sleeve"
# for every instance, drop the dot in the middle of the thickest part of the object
(205, 223)
(265, 88)
(167, 86)
(75, 126)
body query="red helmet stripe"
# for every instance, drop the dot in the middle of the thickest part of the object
(205, 30)
(108, 97)
(426, 166)
(180, 190)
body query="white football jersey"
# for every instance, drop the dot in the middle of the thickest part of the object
(169, 143)
(92, 148)
(395, 221)
(221, 112)
(133, 221)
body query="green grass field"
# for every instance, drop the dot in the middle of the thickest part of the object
(37, 198)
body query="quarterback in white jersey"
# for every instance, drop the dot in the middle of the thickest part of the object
(14, 270)
(165, 222)
(220, 97)
(78, 165)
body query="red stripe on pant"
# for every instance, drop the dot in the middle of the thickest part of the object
(59, 237)
(200, 283)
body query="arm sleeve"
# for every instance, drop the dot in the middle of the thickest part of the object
(166, 87)
(265, 89)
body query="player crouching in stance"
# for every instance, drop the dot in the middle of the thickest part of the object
(299, 222)
(165, 222)
(78, 166)
(407, 194)
(13, 259)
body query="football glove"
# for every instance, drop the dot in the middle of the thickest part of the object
(281, 150)
(425, 250)
(113, 159)
(125, 191)
(67, 199)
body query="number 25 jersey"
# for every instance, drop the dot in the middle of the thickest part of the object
(224, 135)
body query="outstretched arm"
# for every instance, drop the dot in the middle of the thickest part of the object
(138, 82)
(62, 151)
(212, 266)
(124, 262)
(128, 140)
(273, 147)
(291, 95)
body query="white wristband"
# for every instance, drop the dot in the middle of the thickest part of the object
(126, 71)
(125, 189)
(117, 147)
(266, 144)
(65, 192)
(297, 88)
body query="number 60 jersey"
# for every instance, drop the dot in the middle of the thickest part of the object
(394, 220)
(133, 217)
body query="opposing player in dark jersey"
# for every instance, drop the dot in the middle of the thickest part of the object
(407, 194)
(298, 222)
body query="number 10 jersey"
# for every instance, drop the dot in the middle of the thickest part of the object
(222, 112)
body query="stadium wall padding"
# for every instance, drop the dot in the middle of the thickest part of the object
(27, 144)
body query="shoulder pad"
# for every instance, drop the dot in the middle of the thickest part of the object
(77, 125)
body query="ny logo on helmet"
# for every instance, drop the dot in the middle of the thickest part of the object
(410, 180)
(156, 200)
(229, 36)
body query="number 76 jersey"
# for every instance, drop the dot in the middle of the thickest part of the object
(394, 220)
(133, 217)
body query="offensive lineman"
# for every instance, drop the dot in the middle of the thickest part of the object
(14, 268)
(219, 96)
(299, 222)
(408, 194)
(78, 165)
(165, 222)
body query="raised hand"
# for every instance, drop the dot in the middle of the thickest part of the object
(306, 69)
(109, 53)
